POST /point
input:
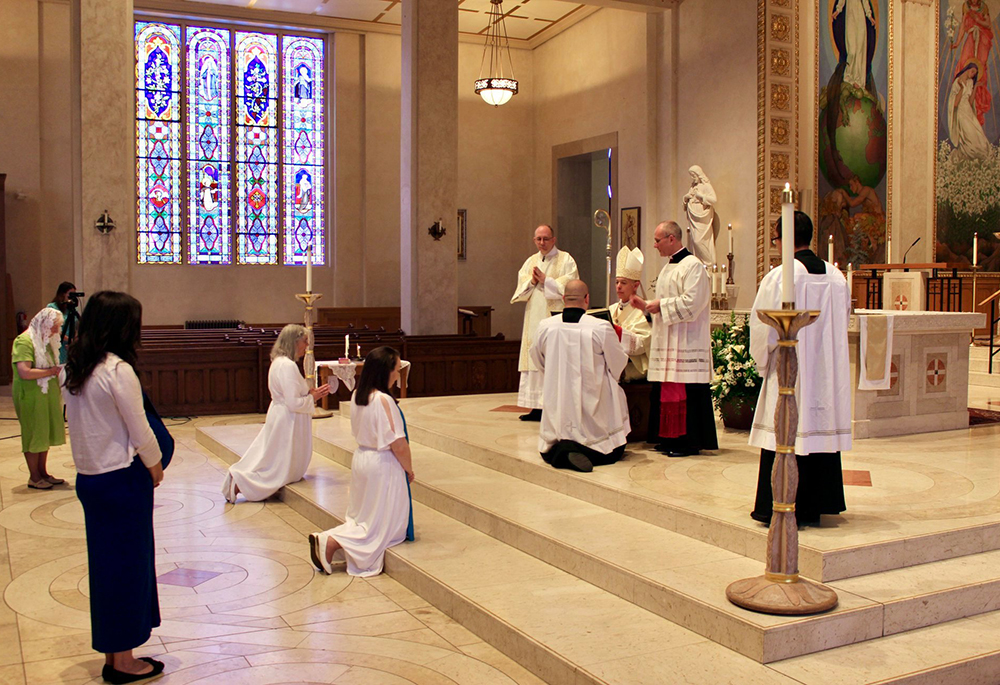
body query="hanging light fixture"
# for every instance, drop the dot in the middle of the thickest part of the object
(498, 85)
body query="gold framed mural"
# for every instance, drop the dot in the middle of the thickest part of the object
(854, 124)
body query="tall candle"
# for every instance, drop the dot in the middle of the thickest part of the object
(888, 250)
(359, 350)
(309, 270)
(850, 281)
(787, 246)
(730, 238)
(975, 249)
(829, 249)
(347, 345)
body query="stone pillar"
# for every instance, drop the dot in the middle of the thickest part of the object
(429, 167)
(103, 101)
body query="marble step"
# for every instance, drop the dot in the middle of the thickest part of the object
(821, 555)
(568, 631)
(981, 378)
(677, 577)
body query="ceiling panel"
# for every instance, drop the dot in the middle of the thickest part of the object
(362, 10)
(553, 10)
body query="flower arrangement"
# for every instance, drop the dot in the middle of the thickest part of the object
(736, 383)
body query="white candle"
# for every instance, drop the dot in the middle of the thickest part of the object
(888, 250)
(975, 249)
(829, 249)
(787, 246)
(730, 238)
(347, 345)
(309, 270)
(359, 350)
(850, 281)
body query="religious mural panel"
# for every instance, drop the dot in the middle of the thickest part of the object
(158, 142)
(208, 125)
(257, 148)
(968, 129)
(303, 149)
(852, 129)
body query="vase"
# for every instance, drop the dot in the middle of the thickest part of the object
(737, 414)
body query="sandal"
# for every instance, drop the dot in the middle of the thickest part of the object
(39, 484)
(317, 550)
(54, 480)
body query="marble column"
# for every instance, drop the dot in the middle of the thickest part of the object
(103, 102)
(429, 167)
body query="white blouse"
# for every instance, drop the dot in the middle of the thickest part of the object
(107, 423)
(370, 425)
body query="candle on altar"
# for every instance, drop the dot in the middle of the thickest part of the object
(347, 345)
(829, 249)
(730, 238)
(850, 281)
(359, 350)
(975, 249)
(787, 246)
(309, 270)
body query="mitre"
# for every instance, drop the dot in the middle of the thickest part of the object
(629, 264)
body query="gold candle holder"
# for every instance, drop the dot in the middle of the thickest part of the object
(781, 590)
(309, 360)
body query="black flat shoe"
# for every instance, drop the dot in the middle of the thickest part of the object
(766, 520)
(533, 415)
(682, 453)
(116, 677)
(579, 462)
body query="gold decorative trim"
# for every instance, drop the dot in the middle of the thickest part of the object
(761, 136)
(937, 108)
(780, 165)
(780, 27)
(782, 508)
(781, 577)
(780, 63)
(779, 131)
(781, 96)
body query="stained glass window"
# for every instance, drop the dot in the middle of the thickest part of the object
(158, 142)
(257, 148)
(208, 126)
(302, 153)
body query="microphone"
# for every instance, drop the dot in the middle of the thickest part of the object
(908, 249)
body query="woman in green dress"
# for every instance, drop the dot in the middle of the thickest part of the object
(37, 400)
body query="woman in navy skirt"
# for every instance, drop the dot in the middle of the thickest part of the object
(118, 464)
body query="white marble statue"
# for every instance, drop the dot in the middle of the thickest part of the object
(699, 203)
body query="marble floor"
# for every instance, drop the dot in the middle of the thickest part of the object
(239, 598)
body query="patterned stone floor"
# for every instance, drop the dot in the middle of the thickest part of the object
(239, 598)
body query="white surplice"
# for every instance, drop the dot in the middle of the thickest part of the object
(559, 269)
(823, 384)
(636, 333)
(681, 344)
(581, 363)
(280, 453)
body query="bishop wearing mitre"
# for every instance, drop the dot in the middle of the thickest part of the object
(635, 327)
(540, 284)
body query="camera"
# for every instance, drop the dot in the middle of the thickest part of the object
(73, 298)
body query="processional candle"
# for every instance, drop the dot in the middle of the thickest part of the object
(309, 270)
(787, 246)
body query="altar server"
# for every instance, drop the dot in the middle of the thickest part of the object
(680, 356)
(822, 385)
(581, 358)
(281, 452)
(635, 327)
(540, 284)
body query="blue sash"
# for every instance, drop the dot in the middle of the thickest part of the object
(409, 526)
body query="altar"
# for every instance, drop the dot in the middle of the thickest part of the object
(928, 374)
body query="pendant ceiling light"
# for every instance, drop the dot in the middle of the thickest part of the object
(497, 85)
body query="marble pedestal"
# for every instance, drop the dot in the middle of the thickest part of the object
(929, 372)
(904, 290)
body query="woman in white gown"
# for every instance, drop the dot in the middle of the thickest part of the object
(280, 453)
(964, 129)
(381, 468)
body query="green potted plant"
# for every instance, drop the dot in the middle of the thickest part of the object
(736, 383)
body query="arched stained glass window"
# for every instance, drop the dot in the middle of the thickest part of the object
(158, 142)
(302, 153)
(208, 162)
(257, 148)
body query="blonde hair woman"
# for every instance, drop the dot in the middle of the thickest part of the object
(281, 452)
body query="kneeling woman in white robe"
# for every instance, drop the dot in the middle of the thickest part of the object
(381, 468)
(281, 452)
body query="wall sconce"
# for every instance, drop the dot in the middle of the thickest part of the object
(437, 231)
(105, 224)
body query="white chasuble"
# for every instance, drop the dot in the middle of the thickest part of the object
(581, 363)
(681, 344)
(281, 452)
(823, 384)
(636, 332)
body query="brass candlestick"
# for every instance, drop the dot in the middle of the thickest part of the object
(309, 360)
(780, 590)
(729, 279)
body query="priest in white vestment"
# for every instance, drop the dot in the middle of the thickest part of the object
(586, 417)
(680, 356)
(540, 284)
(281, 452)
(822, 386)
(635, 328)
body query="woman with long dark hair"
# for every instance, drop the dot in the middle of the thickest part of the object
(118, 464)
(65, 302)
(379, 507)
